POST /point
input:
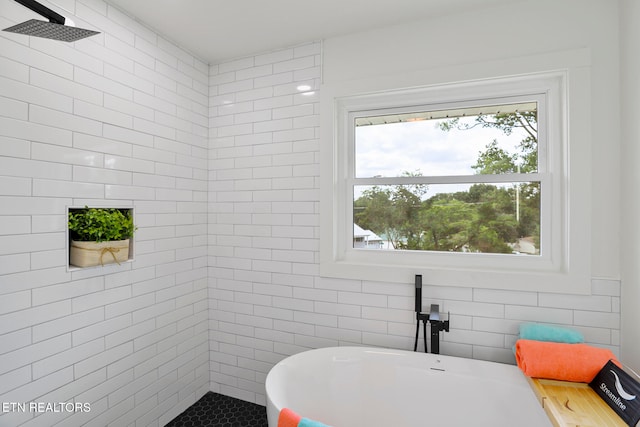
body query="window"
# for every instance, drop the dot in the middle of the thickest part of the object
(467, 184)
(461, 179)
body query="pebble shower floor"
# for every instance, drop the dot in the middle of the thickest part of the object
(217, 410)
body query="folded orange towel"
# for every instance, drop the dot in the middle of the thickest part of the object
(288, 418)
(561, 361)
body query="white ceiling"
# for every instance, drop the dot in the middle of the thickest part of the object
(217, 30)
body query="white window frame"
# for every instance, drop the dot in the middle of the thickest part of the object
(563, 265)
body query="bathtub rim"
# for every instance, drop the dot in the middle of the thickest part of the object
(273, 408)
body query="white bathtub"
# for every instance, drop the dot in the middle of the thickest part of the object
(374, 387)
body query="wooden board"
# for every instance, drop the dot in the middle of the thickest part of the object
(569, 404)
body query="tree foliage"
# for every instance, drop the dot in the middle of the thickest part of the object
(391, 211)
(494, 159)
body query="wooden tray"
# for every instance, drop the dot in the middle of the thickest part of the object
(574, 404)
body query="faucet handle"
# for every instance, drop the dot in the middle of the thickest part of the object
(446, 322)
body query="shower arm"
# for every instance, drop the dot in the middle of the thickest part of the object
(42, 10)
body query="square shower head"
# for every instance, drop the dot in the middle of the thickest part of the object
(50, 30)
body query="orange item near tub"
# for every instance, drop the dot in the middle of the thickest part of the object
(561, 361)
(288, 418)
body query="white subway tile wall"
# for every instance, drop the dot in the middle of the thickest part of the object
(117, 119)
(266, 299)
(221, 164)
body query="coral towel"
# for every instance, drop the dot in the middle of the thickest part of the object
(288, 418)
(561, 361)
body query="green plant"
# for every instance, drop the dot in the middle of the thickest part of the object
(100, 224)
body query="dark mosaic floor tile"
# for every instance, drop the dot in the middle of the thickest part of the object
(217, 410)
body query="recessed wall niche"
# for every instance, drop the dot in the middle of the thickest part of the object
(99, 236)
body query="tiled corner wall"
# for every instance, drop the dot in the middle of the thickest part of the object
(266, 298)
(117, 119)
(263, 215)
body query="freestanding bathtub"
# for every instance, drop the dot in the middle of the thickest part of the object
(375, 387)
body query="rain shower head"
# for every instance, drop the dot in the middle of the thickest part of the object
(54, 29)
(50, 30)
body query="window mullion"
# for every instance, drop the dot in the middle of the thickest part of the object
(458, 179)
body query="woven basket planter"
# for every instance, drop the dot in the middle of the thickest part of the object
(90, 254)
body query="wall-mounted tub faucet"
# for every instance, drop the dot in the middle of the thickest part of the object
(433, 317)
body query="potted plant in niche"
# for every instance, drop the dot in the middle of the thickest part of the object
(99, 236)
